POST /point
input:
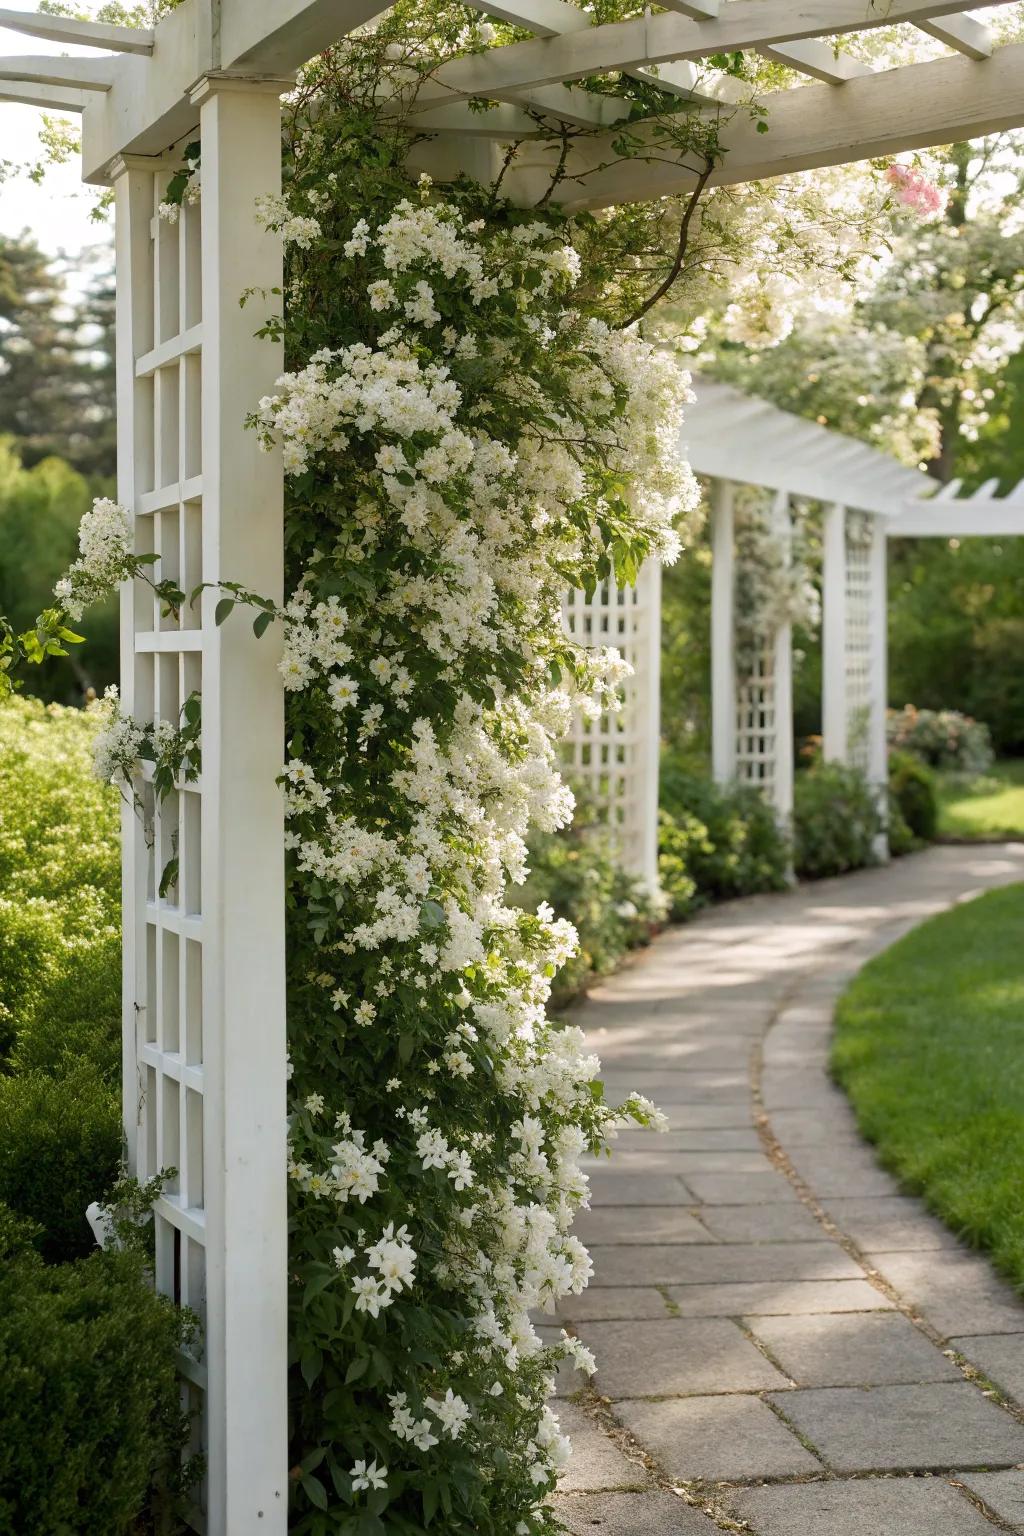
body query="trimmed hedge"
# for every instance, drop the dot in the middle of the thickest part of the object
(89, 1395)
(835, 821)
(912, 788)
(716, 842)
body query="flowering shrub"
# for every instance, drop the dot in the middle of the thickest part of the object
(835, 821)
(914, 190)
(943, 738)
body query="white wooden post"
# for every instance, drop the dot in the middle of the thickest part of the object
(834, 705)
(204, 981)
(878, 749)
(648, 723)
(783, 674)
(723, 662)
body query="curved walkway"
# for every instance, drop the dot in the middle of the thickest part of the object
(786, 1345)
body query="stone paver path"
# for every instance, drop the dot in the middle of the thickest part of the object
(786, 1344)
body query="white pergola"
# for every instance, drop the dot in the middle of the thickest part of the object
(204, 988)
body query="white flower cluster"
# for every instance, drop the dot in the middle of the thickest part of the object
(105, 546)
(483, 452)
(191, 193)
(118, 741)
(295, 229)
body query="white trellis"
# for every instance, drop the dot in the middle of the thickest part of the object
(204, 974)
(615, 757)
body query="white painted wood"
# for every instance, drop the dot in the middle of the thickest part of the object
(648, 765)
(815, 125)
(661, 39)
(783, 672)
(697, 10)
(68, 29)
(833, 635)
(816, 59)
(55, 69)
(963, 33)
(878, 748)
(54, 98)
(941, 519)
(243, 835)
(723, 663)
(279, 36)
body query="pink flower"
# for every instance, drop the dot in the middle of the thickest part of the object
(913, 190)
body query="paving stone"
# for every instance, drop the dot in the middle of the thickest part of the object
(786, 1298)
(613, 1301)
(832, 1172)
(809, 1127)
(710, 1140)
(691, 1117)
(597, 1463)
(691, 1264)
(676, 1357)
(778, 1223)
(618, 1187)
(1000, 1356)
(1003, 1492)
(716, 1438)
(958, 1294)
(655, 1159)
(889, 1225)
(633, 1224)
(741, 1188)
(633, 1514)
(890, 1506)
(944, 1424)
(871, 1349)
(642, 1049)
(682, 1087)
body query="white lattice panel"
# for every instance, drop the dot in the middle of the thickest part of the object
(616, 756)
(857, 639)
(756, 728)
(165, 1053)
(204, 1027)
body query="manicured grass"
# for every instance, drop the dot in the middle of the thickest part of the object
(988, 806)
(930, 1047)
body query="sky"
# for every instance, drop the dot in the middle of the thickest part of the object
(57, 212)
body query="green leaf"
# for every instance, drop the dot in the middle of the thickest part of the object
(224, 607)
(311, 1364)
(356, 1369)
(169, 878)
(261, 624)
(315, 1491)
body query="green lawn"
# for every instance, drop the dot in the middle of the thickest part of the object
(930, 1047)
(990, 806)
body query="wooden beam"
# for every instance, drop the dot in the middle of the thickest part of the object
(938, 102)
(279, 36)
(66, 29)
(569, 104)
(962, 33)
(661, 39)
(52, 98)
(54, 69)
(697, 10)
(816, 59)
(958, 520)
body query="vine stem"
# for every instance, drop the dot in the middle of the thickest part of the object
(681, 248)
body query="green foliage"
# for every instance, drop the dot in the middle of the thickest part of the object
(56, 361)
(835, 821)
(930, 1047)
(612, 912)
(912, 790)
(716, 841)
(60, 1004)
(943, 738)
(40, 510)
(60, 1148)
(89, 1395)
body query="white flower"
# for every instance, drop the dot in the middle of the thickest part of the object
(451, 1412)
(371, 1476)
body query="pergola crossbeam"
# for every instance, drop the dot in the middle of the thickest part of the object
(51, 98)
(963, 33)
(67, 29)
(40, 69)
(816, 59)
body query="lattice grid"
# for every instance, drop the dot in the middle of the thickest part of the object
(756, 725)
(164, 1017)
(858, 639)
(609, 756)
